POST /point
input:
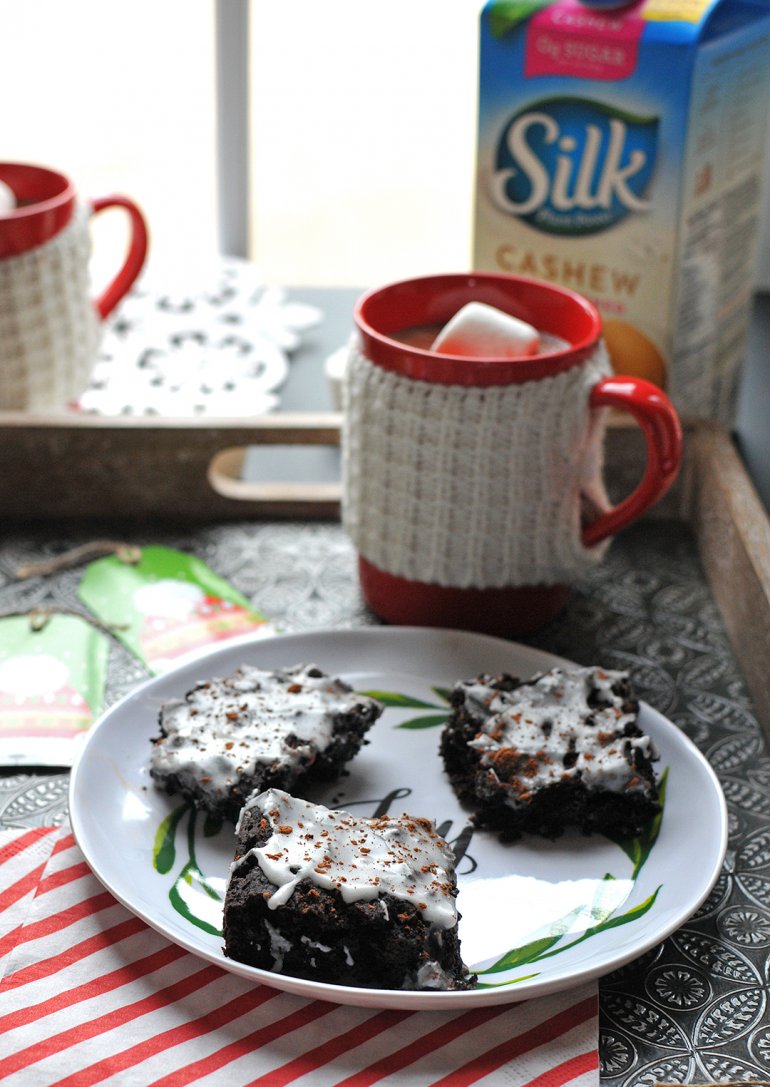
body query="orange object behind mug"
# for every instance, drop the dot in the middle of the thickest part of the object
(49, 324)
(472, 486)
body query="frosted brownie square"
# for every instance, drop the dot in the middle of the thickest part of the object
(256, 729)
(322, 894)
(563, 749)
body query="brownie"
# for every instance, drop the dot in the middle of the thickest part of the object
(256, 729)
(563, 749)
(325, 895)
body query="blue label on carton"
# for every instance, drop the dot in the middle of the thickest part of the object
(574, 166)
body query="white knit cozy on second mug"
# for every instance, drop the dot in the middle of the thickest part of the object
(49, 329)
(473, 487)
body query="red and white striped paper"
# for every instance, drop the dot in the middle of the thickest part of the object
(91, 995)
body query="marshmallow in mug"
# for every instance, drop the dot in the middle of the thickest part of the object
(7, 199)
(478, 330)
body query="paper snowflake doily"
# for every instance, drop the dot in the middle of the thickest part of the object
(221, 348)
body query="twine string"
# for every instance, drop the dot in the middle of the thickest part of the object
(39, 618)
(127, 553)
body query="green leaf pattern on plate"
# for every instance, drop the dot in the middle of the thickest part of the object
(189, 875)
(398, 701)
(545, 947)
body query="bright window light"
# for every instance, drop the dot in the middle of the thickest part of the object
(363, 124)
(361, 128)
(120, 96)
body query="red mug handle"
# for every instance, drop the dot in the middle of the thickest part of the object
(137, 251)
(662, 430)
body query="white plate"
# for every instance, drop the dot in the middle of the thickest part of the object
(537, 894)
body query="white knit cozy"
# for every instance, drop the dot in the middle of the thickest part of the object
(49, 328)
(473, 487)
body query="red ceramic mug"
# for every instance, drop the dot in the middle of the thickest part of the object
(45, 204)
(49, 323)
(472, 486)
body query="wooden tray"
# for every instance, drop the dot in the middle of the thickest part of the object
(83, 467)
(733, 536)
(89, 468)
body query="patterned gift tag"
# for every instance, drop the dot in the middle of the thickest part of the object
(52, 676)
(166, 604)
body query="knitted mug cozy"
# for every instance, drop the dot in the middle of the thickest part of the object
(473, 487)
(49, 329)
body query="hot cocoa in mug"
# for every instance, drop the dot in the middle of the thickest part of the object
(472, 484)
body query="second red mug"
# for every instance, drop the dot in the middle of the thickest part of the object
(472, 487)
(49, 323)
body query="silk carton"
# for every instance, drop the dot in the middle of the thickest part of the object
(620, 153)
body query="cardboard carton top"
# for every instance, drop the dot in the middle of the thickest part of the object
(672, 21)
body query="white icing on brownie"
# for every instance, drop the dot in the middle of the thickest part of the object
(546, 731)
(360, 858)
(225, 728)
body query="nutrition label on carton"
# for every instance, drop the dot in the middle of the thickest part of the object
(720, 221)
